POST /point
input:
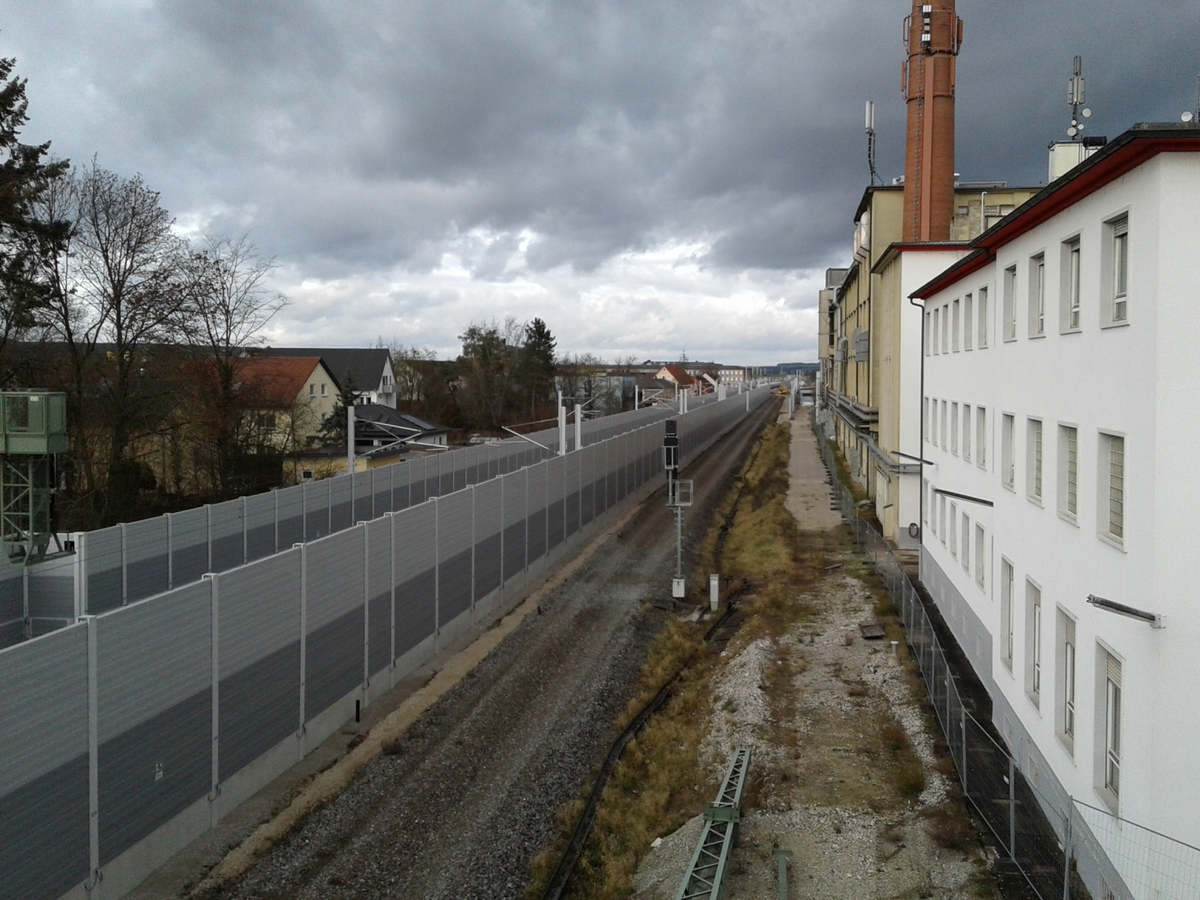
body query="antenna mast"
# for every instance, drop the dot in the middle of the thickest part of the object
(1075, 95)
(871, 141)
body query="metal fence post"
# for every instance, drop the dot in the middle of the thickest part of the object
(1012, 809)
(963, 726)
(1067, 850)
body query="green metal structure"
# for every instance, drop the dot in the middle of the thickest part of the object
(34, 432)
(706, 871)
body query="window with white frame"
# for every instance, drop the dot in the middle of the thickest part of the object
(1033, 642)
(1070, 290)
(925, 506)
(983, 317)
(1117, 270)
(946, 328)
(981, 556)
(981, 437)
(933, 422)
(1010, 303)
(954, 428)
(1006, 613)
(967, 425)
(1111, 514)
(942, 518)
(937, 319)
(925, 418)
(312, 390)
(1065, 705)
(1110, 718)
(945, 426)
(1037, 295)
(928, 331)
(1068, 471)
(953, 529)
(955, 324)
(1007, 452)
(1033, 461)
(968, 328)
(965, 551)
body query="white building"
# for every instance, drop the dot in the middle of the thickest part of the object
(1061, 421)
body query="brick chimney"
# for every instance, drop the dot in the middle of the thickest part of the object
(933, 34)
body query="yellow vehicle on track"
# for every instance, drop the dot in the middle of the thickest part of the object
(781, 391)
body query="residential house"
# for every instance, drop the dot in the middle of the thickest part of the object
(370, 369)
(291, 397)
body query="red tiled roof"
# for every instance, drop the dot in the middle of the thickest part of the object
(681, 377)
(274, 382)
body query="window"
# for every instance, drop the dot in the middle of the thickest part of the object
(312, 390)
(1007, 464)
(1068, 471)
(952, 528)
(945, 425)
(966, 543)
(925, 495)
(1070, 285)
(1033, 642)
(983, 317)
(1033, 462)
(1112, 726)
(1037, 295)
(1010, 303)
(1111, 515)
(928, 330)
(937, 316)
(942, 517)
(925, 417)
(966, 334)
(967, 425)
(954, 325)
(946, 328)
(1118, 231)
(981, 436)
(324, 390)
(933, 422)
(1006, 613)
(1065, 707)
(954, 428)
(980, 557)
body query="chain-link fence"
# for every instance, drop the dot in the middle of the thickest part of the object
(1064, 848)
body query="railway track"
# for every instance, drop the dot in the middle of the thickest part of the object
(470, 794)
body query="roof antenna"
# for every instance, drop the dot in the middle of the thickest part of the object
(1188, 115)
(1075, 100)
(871, 141)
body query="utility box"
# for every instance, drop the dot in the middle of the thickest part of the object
(34, 423)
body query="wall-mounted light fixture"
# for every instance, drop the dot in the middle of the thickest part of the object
(1155, 620)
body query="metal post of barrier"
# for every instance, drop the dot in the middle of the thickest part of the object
(1012, 809)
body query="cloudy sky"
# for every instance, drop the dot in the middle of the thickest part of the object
(651, 177)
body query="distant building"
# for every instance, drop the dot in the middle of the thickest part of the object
(290, 398)
(370, 368)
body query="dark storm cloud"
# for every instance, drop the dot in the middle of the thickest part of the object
(358, 138)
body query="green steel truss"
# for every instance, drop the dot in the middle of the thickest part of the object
(706, 872)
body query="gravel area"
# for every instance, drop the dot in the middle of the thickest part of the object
(471, 792)
(818, 765)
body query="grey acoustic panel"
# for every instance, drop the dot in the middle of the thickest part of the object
(333, 661)
(381, 490)
(225, 534)
(12, 593)
(153, 772)
(103, 571)
(460, 470)
(151, 656)
(401, 473)
(454, 524)
(488, 502)
(259, 610)
(341, 503)
(414, 541)
(572, 476)
(364, 497)
(416, 610)
(454, 586)
(379, 591)
(147, 565)
(555, 524)
(260, 525)
(487, 565)
(536, 535)
(515, 487)
(555, 479)
(289, 517)
(316, 509)
(472, 458)
(44, 842)
(51, 589)
(260, 706)
(445, 473)
(514, 549)
(334, 577)
(43, 782)
(43, 706)
(416, 481)
(12, 633)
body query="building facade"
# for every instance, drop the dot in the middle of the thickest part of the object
(1060, 419)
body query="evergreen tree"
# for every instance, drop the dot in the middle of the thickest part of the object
(536, 367)
(333, 429)
(26, 240)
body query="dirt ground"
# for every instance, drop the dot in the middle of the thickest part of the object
(843, 773)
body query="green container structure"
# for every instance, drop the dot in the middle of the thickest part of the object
(34, 432)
